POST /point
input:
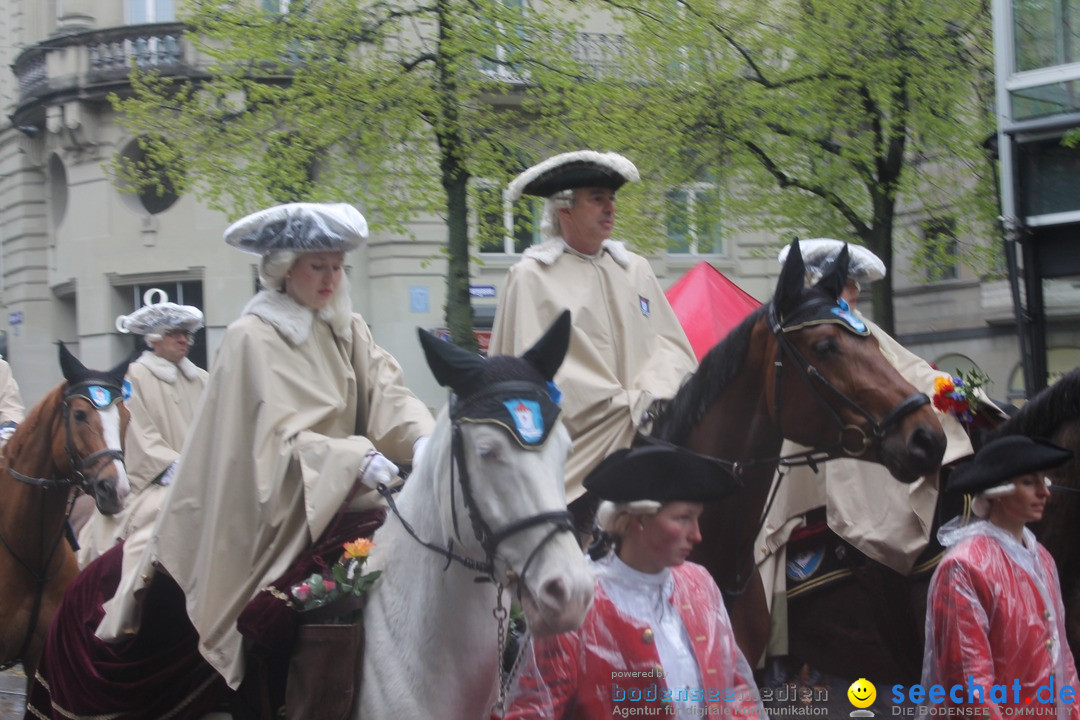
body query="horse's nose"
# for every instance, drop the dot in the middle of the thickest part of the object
(554, 593)
(105, 496)
(925, 448)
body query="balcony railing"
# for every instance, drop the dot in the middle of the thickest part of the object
(92, 61)
(79, 61)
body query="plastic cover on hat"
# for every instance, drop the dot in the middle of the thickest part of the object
(299, 227)
(613, 664)
(995, 617)
(161, 316)
(863, 265)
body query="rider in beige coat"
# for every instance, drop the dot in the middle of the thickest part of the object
(627, 349)
(162, 390)
(12, 410)
(300, 406)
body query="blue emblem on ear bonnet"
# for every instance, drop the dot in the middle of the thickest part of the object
(527, 418)
(844, 313)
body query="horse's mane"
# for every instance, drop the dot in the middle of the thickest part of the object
(699, 392)
(1048, 410)
(34, 435)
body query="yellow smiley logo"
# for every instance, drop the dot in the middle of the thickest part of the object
(862, 693)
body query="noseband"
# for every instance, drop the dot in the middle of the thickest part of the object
(489, 540)
(816, 382)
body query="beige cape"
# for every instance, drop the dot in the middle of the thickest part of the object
(627, 348)
(288, 414)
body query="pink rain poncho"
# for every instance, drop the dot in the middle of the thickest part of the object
(995, 626)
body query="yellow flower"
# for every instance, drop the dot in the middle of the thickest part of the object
(359, 547)
(943, 385)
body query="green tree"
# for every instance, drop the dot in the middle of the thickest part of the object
(822, 117)
(392, 106)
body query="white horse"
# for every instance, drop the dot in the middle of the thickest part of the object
(491, 495)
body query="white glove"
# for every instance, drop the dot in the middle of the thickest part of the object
(167, 476)
(376, 469)
(418, 449)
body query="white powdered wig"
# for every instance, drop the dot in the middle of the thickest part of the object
(611, 162)
(980, 504)
(609, 513)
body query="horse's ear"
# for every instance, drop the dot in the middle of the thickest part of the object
(453, 367)
(792, 278)
(120, 370)
(834, 278)
(73, 370)
(548, 352)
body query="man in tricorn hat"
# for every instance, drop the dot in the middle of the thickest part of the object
(995, 617)
(162, 390)
(627, 350)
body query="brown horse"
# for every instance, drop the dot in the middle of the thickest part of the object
(1054, 414)
(802, 368)
(70, 442)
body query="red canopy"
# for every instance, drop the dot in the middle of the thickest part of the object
(708, 305)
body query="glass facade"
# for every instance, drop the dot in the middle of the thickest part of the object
(1046, 33)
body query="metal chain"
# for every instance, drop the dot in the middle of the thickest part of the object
(501, 615)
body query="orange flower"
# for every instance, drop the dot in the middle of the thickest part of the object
(943, 385)
(359, 547)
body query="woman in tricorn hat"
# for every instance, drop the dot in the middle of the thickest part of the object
(657, 639)
(995, 615)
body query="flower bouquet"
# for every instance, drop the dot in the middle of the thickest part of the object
(327, 656)
(959, 394)
(343, 579)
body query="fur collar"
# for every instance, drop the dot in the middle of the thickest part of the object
(549, 251)
(292, 319)
(166, 371)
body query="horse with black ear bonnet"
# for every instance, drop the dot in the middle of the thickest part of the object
(484, 511)
(801, 367)
(70, 442)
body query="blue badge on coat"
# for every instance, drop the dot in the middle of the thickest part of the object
(644, 303)
(127, 390)
(527, 418)
(805, 564)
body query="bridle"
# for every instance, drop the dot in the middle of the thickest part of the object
(818, 386)
(74, 481)
(489, 539)
(816, 383)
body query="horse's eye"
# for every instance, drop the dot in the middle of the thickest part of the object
(80, 416)
(488, 453)
(824, 347)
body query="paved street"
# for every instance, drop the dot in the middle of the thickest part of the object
(12, 694)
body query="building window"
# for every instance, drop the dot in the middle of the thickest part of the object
(1046, 33)
(940, 246)
(144, 182)
(139, 12)
(503, 226)
(693, 220)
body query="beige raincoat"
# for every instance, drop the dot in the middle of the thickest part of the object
(162, 397)
(627, 348)
(11, 402)
(288, 415)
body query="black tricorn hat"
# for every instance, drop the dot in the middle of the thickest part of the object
(579, 169)
(662, 473)
(1006, 458)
